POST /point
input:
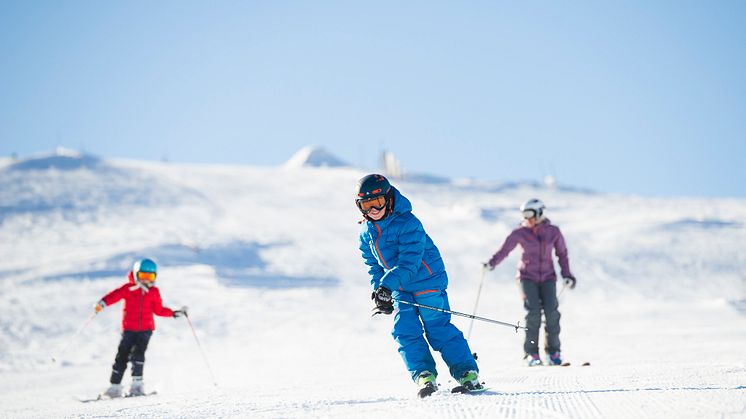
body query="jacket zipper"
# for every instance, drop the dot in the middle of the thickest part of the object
(541, 254)
(141, 304)
(380, 255)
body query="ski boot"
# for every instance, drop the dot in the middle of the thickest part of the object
(468, 383)
(534, 360)
(137, 388)
(426, 381)
(114, 391)
(554, 358)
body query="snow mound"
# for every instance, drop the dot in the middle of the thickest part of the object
(62, 159)
(71, 183)
(312, 156)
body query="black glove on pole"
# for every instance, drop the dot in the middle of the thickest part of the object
(383, 300)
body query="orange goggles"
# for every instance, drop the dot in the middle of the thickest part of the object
(146, 276)
(378, 203)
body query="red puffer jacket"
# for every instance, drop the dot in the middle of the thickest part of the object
(139, 305)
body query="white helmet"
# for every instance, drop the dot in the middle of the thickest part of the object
(533, 208)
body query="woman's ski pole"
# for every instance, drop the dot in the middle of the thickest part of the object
(471, 316)
(476, 303)
(559, 296)
(202, 351)
(77, 332)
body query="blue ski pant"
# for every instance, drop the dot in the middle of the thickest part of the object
(132, 347)
(442, 335)
(538, 297)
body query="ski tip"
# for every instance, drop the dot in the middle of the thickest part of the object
(585, 364)
(90, 399)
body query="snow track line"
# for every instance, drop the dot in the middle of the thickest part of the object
(620, 390)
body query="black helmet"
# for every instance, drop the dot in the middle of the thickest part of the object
(374, 191)
(372, 186)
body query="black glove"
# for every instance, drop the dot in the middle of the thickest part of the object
(383, 300)
(570, 281)
(180, 312)
(487, 267)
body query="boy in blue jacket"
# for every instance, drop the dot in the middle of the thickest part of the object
(405, 265)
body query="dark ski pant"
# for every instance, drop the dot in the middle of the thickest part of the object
(538, 297)
(409, 324)
(131, 348)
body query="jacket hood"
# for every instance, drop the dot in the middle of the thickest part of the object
(131, 278)
(401, 203)
(401, 206)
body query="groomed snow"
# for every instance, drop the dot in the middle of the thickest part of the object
(267, 261)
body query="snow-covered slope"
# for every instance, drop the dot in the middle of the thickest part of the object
(268, 264)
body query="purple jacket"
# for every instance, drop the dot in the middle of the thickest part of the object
(537, 243)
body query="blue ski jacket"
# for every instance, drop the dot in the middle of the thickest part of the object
(399, 254)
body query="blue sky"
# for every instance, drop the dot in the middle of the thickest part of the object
(634, 97)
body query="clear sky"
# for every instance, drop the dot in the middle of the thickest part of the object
(640, 97)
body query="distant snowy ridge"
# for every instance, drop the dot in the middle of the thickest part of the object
(61, 159)
(71, 182)
(312, 156)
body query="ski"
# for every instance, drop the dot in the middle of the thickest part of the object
(464, 390)
(150, 393)
(584, 364)
(426, 391)
(95, 399)
(102, 397)
(567, 364)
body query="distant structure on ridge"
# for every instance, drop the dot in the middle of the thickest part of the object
(391, 166)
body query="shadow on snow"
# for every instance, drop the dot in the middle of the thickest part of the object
(705, 224)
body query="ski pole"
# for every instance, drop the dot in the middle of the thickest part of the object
(471, 316)
(564, 285)
(559, 299)
(77, 332)
(476, 303)
(202, 351)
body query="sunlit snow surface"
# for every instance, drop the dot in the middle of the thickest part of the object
(267, 261)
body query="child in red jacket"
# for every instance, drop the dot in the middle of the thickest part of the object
(142, 299)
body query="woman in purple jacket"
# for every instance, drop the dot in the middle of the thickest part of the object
(537, 236)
